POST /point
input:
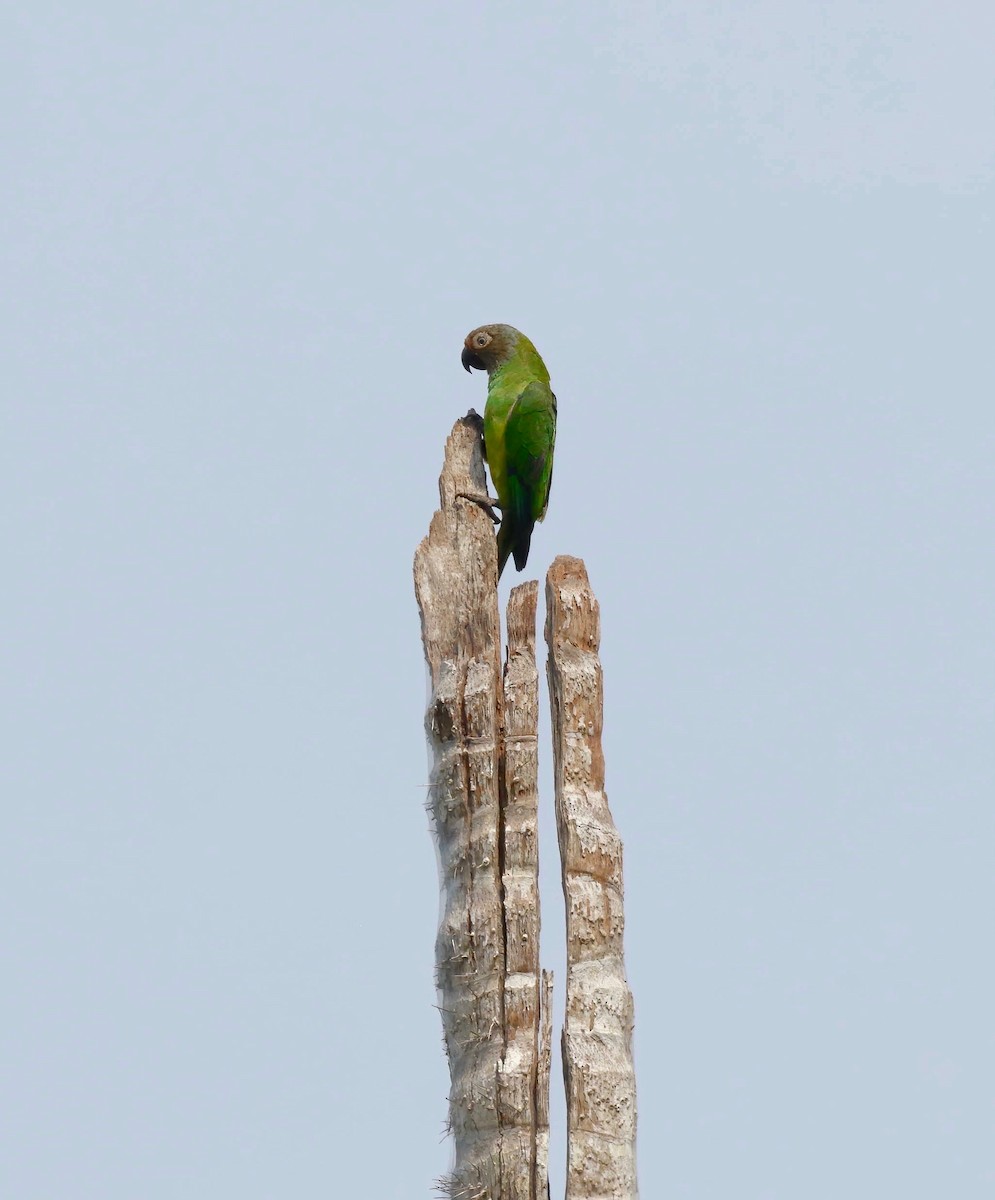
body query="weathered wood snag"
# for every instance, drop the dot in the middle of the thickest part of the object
(483, 797)
(597, 1032)
(525, 1088)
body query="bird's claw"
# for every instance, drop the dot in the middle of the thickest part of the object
(487, 503)
(474, 420)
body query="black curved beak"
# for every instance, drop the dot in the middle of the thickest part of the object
(469, 359)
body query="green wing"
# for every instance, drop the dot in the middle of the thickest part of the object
(529, 437)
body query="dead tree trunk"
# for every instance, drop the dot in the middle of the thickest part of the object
(597, 1032)
(483, 797)
(525, 1074)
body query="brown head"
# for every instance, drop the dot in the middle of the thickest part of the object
(489, 347)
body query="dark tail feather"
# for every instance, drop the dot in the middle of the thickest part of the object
(520, 546)
(513, 539)
(517, 523)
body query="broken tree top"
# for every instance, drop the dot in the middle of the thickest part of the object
(495, 999)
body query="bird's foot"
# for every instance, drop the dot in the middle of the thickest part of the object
(474, 420)
(487, 503)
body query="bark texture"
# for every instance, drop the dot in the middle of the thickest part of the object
(483, 796)
(481, 725)
(524, 1093)
(597, 1032)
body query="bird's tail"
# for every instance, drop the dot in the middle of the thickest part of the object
(515, 534)
(512, 541)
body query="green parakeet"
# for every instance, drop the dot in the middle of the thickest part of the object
(519, 432)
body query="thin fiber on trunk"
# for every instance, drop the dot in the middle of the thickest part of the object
(597, 1031)
(483, 804)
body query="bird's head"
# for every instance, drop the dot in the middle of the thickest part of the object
(489, 347)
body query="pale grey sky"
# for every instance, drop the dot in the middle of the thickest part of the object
(242, 245)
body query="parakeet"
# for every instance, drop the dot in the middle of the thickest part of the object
(519, 432)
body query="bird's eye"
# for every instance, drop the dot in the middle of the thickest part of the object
(481, 339)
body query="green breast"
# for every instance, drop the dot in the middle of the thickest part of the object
(500, 401)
